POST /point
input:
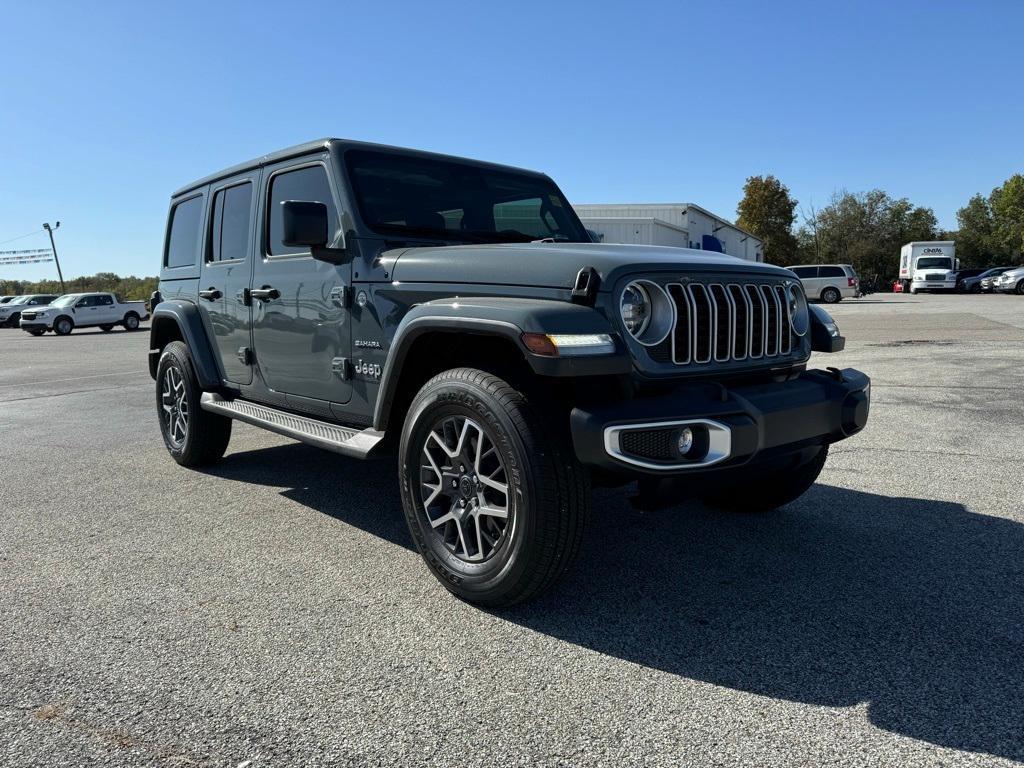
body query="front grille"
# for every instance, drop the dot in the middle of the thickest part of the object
(723, 322)
(28, 315)
(935, 276)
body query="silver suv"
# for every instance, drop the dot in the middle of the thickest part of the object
(831, 283)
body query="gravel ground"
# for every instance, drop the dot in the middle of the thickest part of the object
(270, 610)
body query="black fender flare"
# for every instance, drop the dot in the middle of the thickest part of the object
(506, 318)
(184, 315)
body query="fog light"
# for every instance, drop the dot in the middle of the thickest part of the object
(685, 441)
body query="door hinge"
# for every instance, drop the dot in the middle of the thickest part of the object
(341, 295)
(245, 355)
(584, 289)
(342, 368)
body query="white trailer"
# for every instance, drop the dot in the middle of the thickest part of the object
(928, 265)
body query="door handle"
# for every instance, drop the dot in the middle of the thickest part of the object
(211, 294)
(266, 293)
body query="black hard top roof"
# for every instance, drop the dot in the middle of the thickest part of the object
(310, 147)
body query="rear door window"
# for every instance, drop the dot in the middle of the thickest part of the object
(183, 238)
(229, 229)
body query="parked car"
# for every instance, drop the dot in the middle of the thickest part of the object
(84, 310)
(983, 282)
(10, 313)
(830, 283)
(457, 313)
(963, 275)
(5, 299)
(1011, 281)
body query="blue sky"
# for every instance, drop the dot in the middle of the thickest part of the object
(106, 108)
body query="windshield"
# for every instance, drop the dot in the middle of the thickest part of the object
(934, 262)
(65, 301)
(18, 300)
(448, 200)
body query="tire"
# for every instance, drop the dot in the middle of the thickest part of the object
(131, 322)
(63, 325)
(769, 490)
(193, 437)
(106, 328)
(975, 288)
(913, 291)
(466, 425)
(37, 331)
(1020, 288)
(831, 296)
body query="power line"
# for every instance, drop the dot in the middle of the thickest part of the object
(20, 237)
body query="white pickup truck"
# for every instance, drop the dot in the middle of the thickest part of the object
(84, 310)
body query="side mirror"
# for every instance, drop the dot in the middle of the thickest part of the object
(305, 224)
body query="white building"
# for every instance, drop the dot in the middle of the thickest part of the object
(679, 224)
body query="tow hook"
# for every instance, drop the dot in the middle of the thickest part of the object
(836, 374)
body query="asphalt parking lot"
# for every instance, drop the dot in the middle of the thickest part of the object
(270, 611)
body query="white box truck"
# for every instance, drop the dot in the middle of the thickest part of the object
(929, 265)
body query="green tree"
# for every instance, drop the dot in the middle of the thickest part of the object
(865, 229)
(975, 242)
(769, 211)
(1007, 203)
(129, 288)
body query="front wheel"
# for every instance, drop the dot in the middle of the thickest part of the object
(37, 331)
(766, 490)
(193, 437)
(1020, 288)
(62, 326)
(492, 492)
(831, 296)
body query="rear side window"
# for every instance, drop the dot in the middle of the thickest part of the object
(183, 241)
(803, 272)
(831, 272)
(104, 301)
(229, 230)
(306, 184)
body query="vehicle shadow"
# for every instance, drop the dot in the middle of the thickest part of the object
(914, 607)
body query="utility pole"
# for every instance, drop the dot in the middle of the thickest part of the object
(53, 245)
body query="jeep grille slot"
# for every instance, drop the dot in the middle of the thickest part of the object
(726, 322)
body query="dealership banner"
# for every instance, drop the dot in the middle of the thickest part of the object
(30, 256)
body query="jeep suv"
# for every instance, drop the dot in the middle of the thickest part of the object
(455, 314)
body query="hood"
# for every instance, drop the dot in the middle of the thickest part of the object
(555, 265)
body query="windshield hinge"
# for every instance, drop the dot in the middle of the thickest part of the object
(584, 290)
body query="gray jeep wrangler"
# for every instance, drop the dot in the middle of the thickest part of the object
(372, 300)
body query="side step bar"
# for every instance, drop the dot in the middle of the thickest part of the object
(349, 442)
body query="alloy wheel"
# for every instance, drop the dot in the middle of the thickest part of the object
(174, 402)
(464, 489)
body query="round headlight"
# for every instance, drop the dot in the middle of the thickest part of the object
(635, 307)
(798, 313)
(647, 312)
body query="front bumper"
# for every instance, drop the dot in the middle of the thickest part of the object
(34, 325)
(737, 426)
(933, 285)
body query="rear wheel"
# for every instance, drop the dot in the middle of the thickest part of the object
(193, 437)
(767, 490)
(831, 296)
(131, 322)
(62, 326)
(492, 492)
